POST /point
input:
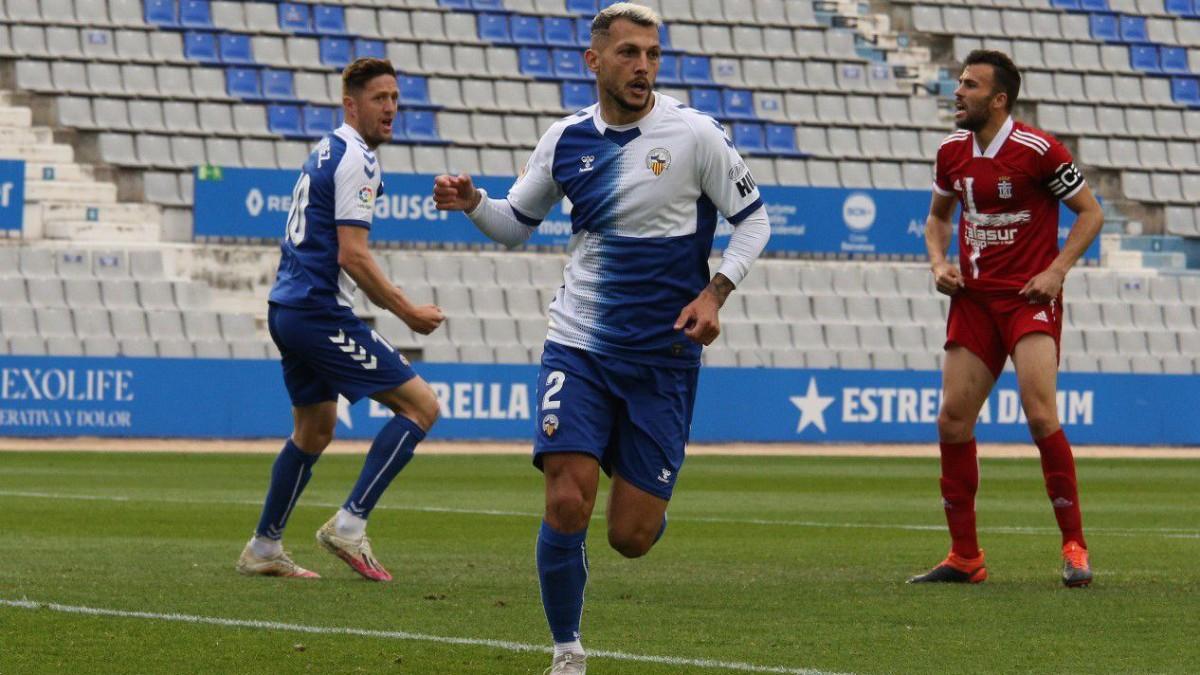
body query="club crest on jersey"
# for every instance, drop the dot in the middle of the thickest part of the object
(587, 161)
(550, 425)
(1004, 187)
(658, 160)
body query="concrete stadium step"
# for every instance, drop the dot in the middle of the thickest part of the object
(85, 230)
(58, 190)
(26, 136)
(114, 212)
(15, 117)
(56, 153)
(56, 171)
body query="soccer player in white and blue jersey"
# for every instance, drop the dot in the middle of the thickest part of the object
(646, 177)
(326, 349)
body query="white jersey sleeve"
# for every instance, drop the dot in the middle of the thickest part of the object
(356, 185)
(724, 177)
(536, 191)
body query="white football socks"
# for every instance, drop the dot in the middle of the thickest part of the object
(574, 647)
(349, 525)
(266, 548)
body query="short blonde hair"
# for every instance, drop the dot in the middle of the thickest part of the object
(638, 14)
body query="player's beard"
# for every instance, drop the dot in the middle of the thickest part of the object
(629, 106)
(974, 120)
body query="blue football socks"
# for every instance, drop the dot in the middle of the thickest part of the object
(389, 453)
(289, 475)
(563, 571)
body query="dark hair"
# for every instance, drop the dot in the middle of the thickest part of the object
(638, 14)
(1004, 72)
(358, 74)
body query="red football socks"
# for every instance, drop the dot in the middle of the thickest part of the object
(960, 481)
(1058, 468)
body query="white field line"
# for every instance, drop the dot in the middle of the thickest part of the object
(1165, 532)
(403, 635)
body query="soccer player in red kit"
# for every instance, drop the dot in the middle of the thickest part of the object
(1006, 297)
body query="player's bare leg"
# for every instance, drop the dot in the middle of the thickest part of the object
(636, 518)
(966, 383)
(571, 483)
(1036, 360)
(312, 432)
(344, 535)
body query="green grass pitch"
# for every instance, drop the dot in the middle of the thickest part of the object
(769, 565)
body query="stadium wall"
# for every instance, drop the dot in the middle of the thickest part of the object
(829, 222)
(207, 398)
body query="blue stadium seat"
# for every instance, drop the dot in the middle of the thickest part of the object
(398, 129)
(583, 31)
(781, 140)
(696, 69)
(1104, 27)
(1186, 90)
(568, 64)
(421, 126)
(319, 120)
(284, 120)
(664, 37)
(375, 49)
(585, 7)
(1133, 28)
(329, 19)
(668, 69)
(294, 17)
(195, 14)
(414, 91)
(526, 30)
(200, 47)
(535, 62)
(749, 139)
(707, 101)
(235, 48)
(161, 13)
(487, 5)
(278, 85)
(1065, 4)
(1094, 5)
(578, 95)
(1173, 60)
(493, 28)
(242, 83)
(1144, 57)
(1184, 8)
(559, 31)
(335, 52)
(738, 104)
(455, 4)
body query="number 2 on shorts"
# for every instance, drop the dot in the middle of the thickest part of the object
(554, 384)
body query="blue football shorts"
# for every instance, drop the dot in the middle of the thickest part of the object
(633, 418)
(329, 351)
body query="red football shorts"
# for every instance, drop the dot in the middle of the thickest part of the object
(989, 324)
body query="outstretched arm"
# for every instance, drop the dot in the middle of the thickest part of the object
(494, 217)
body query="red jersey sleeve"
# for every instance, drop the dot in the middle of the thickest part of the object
(942, 184)
(1059, 173)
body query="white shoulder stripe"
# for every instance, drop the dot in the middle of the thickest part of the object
(956, 137)
(1036, 148)
(1036, 140)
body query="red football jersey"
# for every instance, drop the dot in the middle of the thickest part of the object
(1008, 230)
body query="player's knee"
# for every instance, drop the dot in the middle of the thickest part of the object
(567, 510)
(631, 542)
(954, 425)
(423, 409)
(1042, 425)
(312, 441)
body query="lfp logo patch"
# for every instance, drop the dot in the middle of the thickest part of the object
(366, 196)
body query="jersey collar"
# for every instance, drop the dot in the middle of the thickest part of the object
(350, 133)
(993, 148)
(616, 133)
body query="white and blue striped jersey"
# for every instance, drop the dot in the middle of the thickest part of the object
(644, 201)
(337, 186)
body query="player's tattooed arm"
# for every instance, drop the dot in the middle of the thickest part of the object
(720, 287)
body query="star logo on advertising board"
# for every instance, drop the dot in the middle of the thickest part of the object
(812, 407)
